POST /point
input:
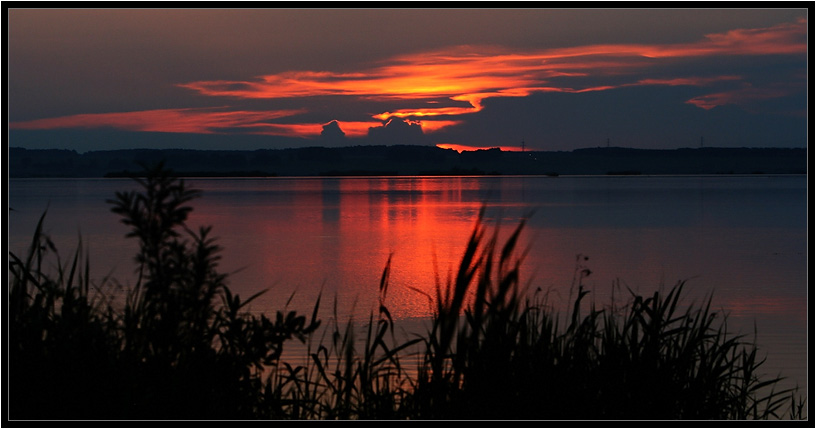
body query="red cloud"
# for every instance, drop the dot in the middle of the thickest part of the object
(788, 38)
(463, 75)
(202, 121)
(473, 74)
(689, 81)
(206, 121)
(737, 96)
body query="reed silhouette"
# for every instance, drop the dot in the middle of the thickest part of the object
(179, 344)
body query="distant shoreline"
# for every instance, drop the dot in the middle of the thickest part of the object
(239, 175)
(367, 161)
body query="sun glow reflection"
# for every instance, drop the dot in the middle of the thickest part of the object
(460, 148)
(348, 228)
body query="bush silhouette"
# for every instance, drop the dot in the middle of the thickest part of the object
(180, 346)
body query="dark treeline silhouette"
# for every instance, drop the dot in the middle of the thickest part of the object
(406, 160)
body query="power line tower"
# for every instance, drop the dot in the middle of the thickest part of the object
(523, 146)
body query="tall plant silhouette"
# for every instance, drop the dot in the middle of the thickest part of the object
(180, 345)
(210, 356)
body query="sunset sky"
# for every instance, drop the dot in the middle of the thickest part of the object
(275, 78)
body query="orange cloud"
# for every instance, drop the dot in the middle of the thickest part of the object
(787, 38)
(287, 130)
(202, 121)
(206, 121)
(452, 82)
(434, 126)
(689, 81)
(737, 96)
(356, 128)
(473, 74)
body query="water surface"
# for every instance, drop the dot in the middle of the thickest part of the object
(744, 239)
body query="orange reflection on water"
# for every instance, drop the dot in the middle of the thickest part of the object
(334, 237)
(408, 220)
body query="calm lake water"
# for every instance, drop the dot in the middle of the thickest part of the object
(744, 239)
